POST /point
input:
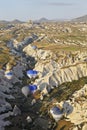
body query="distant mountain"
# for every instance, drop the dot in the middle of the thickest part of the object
(16, 21)
(4, 22)
(81, 19)
(42, 20)
(50, 20)
(11, 22)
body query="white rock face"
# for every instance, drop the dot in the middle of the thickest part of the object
(16, 111)
(5, 106)
(5, 86)
(37, 53)
(76, 109)
(84, 127)
(5, 92)
(78, 114)
(75, 128)
(50, 75)
(69, 66)
(4, 123)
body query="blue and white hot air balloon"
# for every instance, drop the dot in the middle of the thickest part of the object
(32, 88)
(32, 73)
(26, 90)
(56, 112)
(35, 73)
(8, 74)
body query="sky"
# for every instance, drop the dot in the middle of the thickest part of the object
(25, 10)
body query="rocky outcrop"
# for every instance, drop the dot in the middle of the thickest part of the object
(51, 75)
(75, 109)
(57, 69)
(5, 107)
(38, 54)
(62, 58)
(6, 90)
(53, 71)
(79, 103)
(4, 123)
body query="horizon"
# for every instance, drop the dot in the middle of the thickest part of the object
(25, 10)
(10, 20)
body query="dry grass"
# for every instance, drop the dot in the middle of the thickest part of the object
(5, 55)
(52, 32)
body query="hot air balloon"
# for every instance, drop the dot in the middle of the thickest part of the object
(8, 74)
(32, 88)
(35, 73)
(56, 112)
(32, 73)
(25, 90)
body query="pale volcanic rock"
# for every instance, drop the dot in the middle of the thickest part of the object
(79, 113)
(84, 127)
(37, 53)
(54, 76)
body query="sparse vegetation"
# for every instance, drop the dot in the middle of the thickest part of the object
(63, 92)
(5, 55)
(62, 39)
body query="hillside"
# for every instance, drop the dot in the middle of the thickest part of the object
(81, 19)
(57, 51)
